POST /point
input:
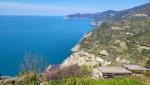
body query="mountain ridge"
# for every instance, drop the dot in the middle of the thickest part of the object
(111, 15)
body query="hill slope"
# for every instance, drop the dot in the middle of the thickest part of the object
(126, 40)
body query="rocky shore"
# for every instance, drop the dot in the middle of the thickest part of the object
(81, 57)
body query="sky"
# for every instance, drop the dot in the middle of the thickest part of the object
(64, 7)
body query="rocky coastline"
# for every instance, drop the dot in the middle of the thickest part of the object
(81, 57)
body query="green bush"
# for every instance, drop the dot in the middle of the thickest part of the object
(88, 81)
(147, 74)
(60, 73)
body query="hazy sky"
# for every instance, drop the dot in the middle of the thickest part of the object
(63, 7)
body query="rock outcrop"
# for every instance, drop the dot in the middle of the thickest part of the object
(83, 58)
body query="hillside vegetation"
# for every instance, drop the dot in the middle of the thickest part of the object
(127, 39)
(123, 37)
(88, 81)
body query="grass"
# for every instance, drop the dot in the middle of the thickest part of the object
(117, 81)
(86, 81)
(144, 78)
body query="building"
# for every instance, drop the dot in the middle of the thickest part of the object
(136, 69)
(110, 72)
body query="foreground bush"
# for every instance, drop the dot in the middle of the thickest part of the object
(33, 63)
(27, 79)
(71, 81)
(147, 74)
(88, 81)
(59, 73)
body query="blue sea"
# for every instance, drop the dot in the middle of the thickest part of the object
(49, 36)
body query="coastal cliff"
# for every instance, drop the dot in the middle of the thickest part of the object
(109, 43)
(125, 40)
(81, 57)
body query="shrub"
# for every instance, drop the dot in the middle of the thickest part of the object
(85, 71)
(33, 63)
(58, 73)
(147, 74)
(148, 63)
(88, 81)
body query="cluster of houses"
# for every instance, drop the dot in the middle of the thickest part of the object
(124, 70)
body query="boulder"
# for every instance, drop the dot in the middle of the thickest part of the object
(103, 52)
